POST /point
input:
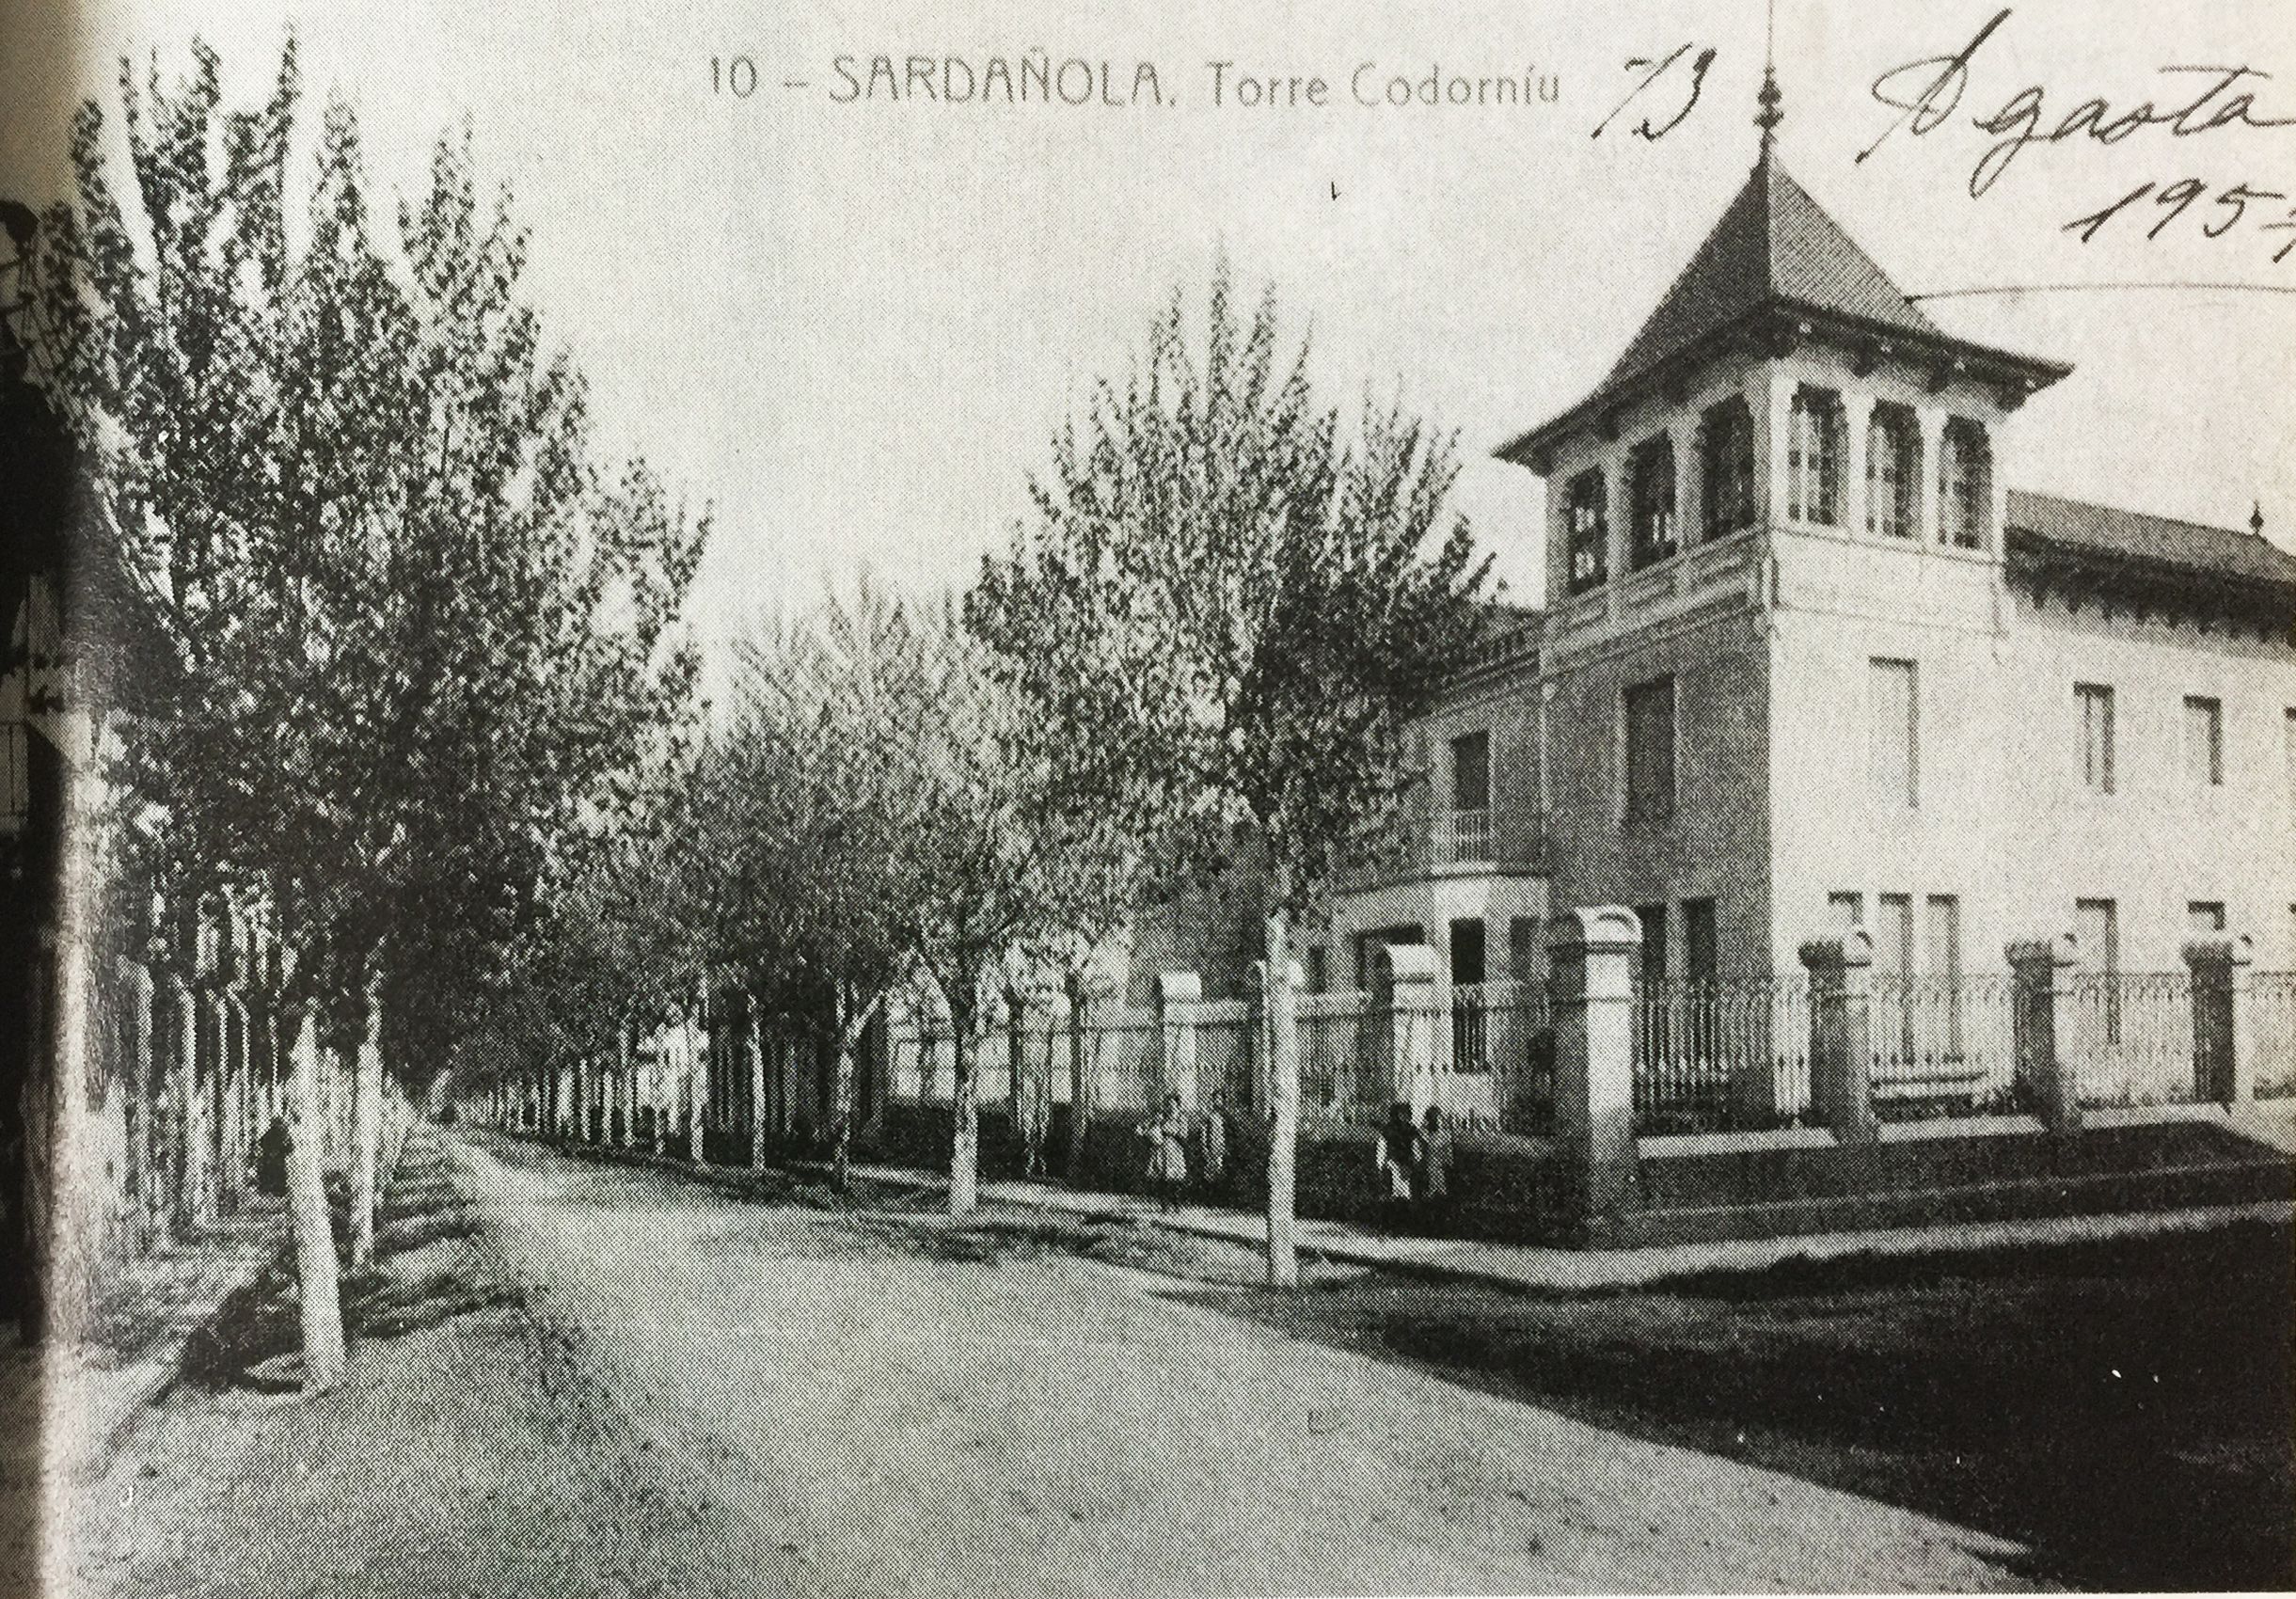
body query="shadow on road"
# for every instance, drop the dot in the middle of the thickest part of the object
(2122, 1408)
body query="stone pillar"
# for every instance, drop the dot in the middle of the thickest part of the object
(1840, 1060)
(2047, 1061)
(2224, 1038)
(1590, 964)
(1178, 994)
(1403, 1022)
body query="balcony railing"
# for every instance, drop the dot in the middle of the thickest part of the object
(1493, 838)
(1464, 838)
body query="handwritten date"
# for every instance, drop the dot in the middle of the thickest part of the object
(2229, 208)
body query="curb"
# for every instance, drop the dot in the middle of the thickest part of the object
(1640, 1268)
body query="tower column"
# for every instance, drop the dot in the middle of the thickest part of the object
(1931, 467)
(1857, 418)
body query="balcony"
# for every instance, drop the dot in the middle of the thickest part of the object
(1449, 843)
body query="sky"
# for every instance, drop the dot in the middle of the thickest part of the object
(851, 327)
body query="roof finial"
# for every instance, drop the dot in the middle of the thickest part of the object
(1770, 99)
(2256, 520)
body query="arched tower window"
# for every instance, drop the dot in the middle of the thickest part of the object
(1813, 457)
(1892, 473)
(1651, 488)
(1587, 520)
(1726, 469)
(1964, 484)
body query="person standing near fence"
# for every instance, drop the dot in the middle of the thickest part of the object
(1435, 1186)
(1212, 1143)
(1394, 1159)
(1167, 1162)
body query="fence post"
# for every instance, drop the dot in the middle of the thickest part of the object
(2223, 1038)
(1841, 1019)
(1591, 961)
(1178, 994)
(1403, 1022)
(2044, 1058)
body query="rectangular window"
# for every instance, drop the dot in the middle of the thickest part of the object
(1650, 752)
(1844, 912)
(1651, 489)
(1893, 934)
(1523, 949)
(1964, 484)
(1700, 949)
(1892, 473)
(2203, 916)
(2204, 741)
(1895, 1005)
(1654, 967)
(1813, 457)
(1586, 525)
(1471, 772)
(1893, 741)
(2096, 937)
(2095, 702)
(1319, 968)
(1467, 953)
(1726, 460)
(1942, 954)
(1470, 1025)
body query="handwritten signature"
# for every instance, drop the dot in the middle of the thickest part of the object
(1928, 93)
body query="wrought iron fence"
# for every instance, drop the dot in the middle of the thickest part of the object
(1499, 1070)
(2133, 1038)
(1942, 1041)
(1336, 1080)
(1722, 1055)
(2273, 1033)
(1228, 1052)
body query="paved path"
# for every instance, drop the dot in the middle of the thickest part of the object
(876, 1419)
(1573, 1271)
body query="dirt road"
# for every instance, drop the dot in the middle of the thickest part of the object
(868, 1417)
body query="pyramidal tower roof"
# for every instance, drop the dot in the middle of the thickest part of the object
(1774, 244)
(1777, 261)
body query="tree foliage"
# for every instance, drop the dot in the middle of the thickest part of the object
(1227, 609)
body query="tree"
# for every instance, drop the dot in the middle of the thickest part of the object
(1225, 614)
(406, 603)
(971, 879)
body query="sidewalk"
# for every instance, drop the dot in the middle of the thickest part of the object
(1526, 1266)
(65, 1408)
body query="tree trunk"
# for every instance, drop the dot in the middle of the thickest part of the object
(841, 1119)
(697, 1080)
(1080, 1077)
(756, 1038)
(366, 1130)
(322, 1310)
(964, 1154)
(1284, 1104)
